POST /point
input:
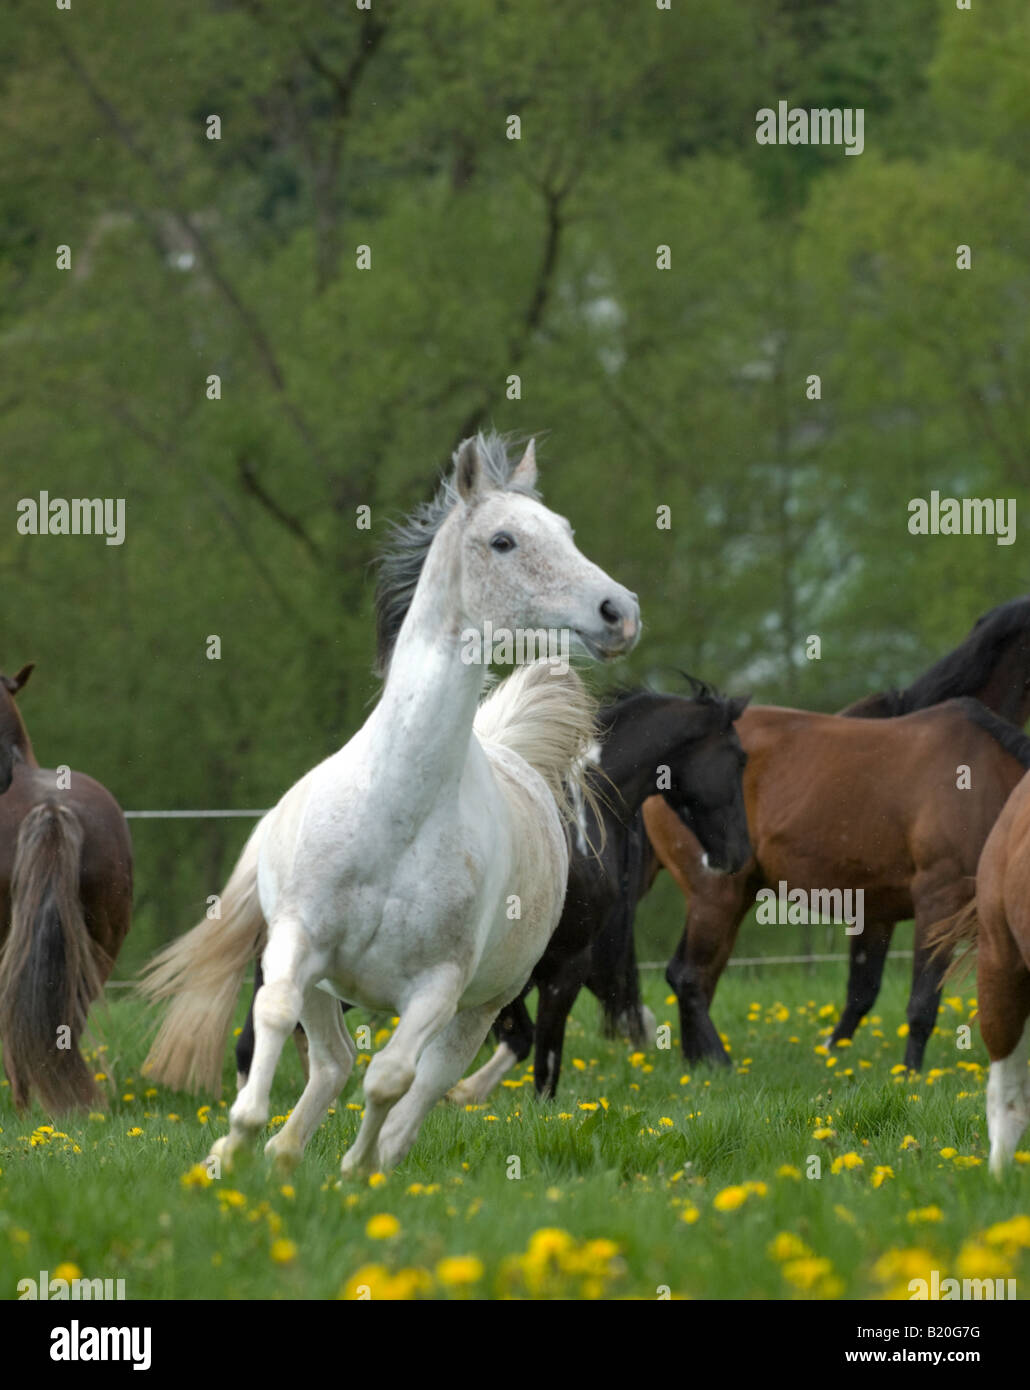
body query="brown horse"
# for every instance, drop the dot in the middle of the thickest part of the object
(65, 907)
(838, 804)
(998, 919)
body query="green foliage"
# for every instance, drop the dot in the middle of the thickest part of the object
(343, 387)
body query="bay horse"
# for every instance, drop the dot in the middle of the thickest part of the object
(65, 908)
(998, 920)
(879, 805)
(992, 664)
(421, 868)
(689, 748)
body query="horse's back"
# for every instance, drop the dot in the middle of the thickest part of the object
(105, 864)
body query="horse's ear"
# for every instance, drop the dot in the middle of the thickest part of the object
(737, 705)
(525, 470)
(468, 469)
(15, 683)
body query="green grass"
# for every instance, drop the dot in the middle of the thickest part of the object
(112, 1202)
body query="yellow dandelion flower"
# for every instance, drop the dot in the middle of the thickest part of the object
(976, 1261)
(881, 1173)
(458, 1271)
(282, 1251)
(909, 1142)
(134, 1133)
(730, 1198)
(788, 1170)
(903, 1265)
(846, 1161)
(921, 1215)
(1014, 1233)
(198, 1176)
(383, 1226)
(805, 1273)
(787, 1246)
(376, 1179)
(67, 1270)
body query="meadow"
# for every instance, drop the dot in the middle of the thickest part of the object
(645, 1179)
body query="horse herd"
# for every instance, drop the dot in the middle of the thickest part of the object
(459, 851)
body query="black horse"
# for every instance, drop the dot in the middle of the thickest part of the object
(686, 750)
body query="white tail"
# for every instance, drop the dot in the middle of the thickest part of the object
(547, 716)
(201, 973)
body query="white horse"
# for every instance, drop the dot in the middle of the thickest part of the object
(422, 868)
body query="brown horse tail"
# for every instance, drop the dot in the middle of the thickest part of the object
(201, 973)
(50, 969)
(957, 933)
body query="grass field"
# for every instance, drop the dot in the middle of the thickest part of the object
(645, 1176)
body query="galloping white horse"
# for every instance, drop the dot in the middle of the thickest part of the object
(422, 868)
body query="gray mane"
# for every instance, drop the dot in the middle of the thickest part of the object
(401, 562)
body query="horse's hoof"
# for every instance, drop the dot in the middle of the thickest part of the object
(461, 1094)
(285, 1160)
(222, 1153)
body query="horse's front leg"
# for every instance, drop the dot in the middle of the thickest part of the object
(865, 975)
(332, 1052)
(290, 966)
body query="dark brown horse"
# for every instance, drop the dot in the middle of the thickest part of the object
(992, 664)
(65, 907)
(998, 920)
(880, 806)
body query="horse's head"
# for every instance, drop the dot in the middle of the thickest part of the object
(14, 740)
(706, 779)
(521, 571)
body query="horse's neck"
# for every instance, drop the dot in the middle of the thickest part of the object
(15, 732)
(423, 722)
(639, 742)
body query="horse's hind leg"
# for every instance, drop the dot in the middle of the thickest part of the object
(514, 1029)
(713, 920)
(392, 1071)
(290, 968)
(865, 975)
(557, 995)
(929, 964)
(245, 1042)
(331, 1051)
(440, 1065)
(1003, 996)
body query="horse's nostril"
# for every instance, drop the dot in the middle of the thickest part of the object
(610, 613)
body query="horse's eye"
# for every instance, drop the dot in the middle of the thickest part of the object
(502, 542)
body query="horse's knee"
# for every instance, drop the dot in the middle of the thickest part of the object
(388, 1078)
(277, 1006)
